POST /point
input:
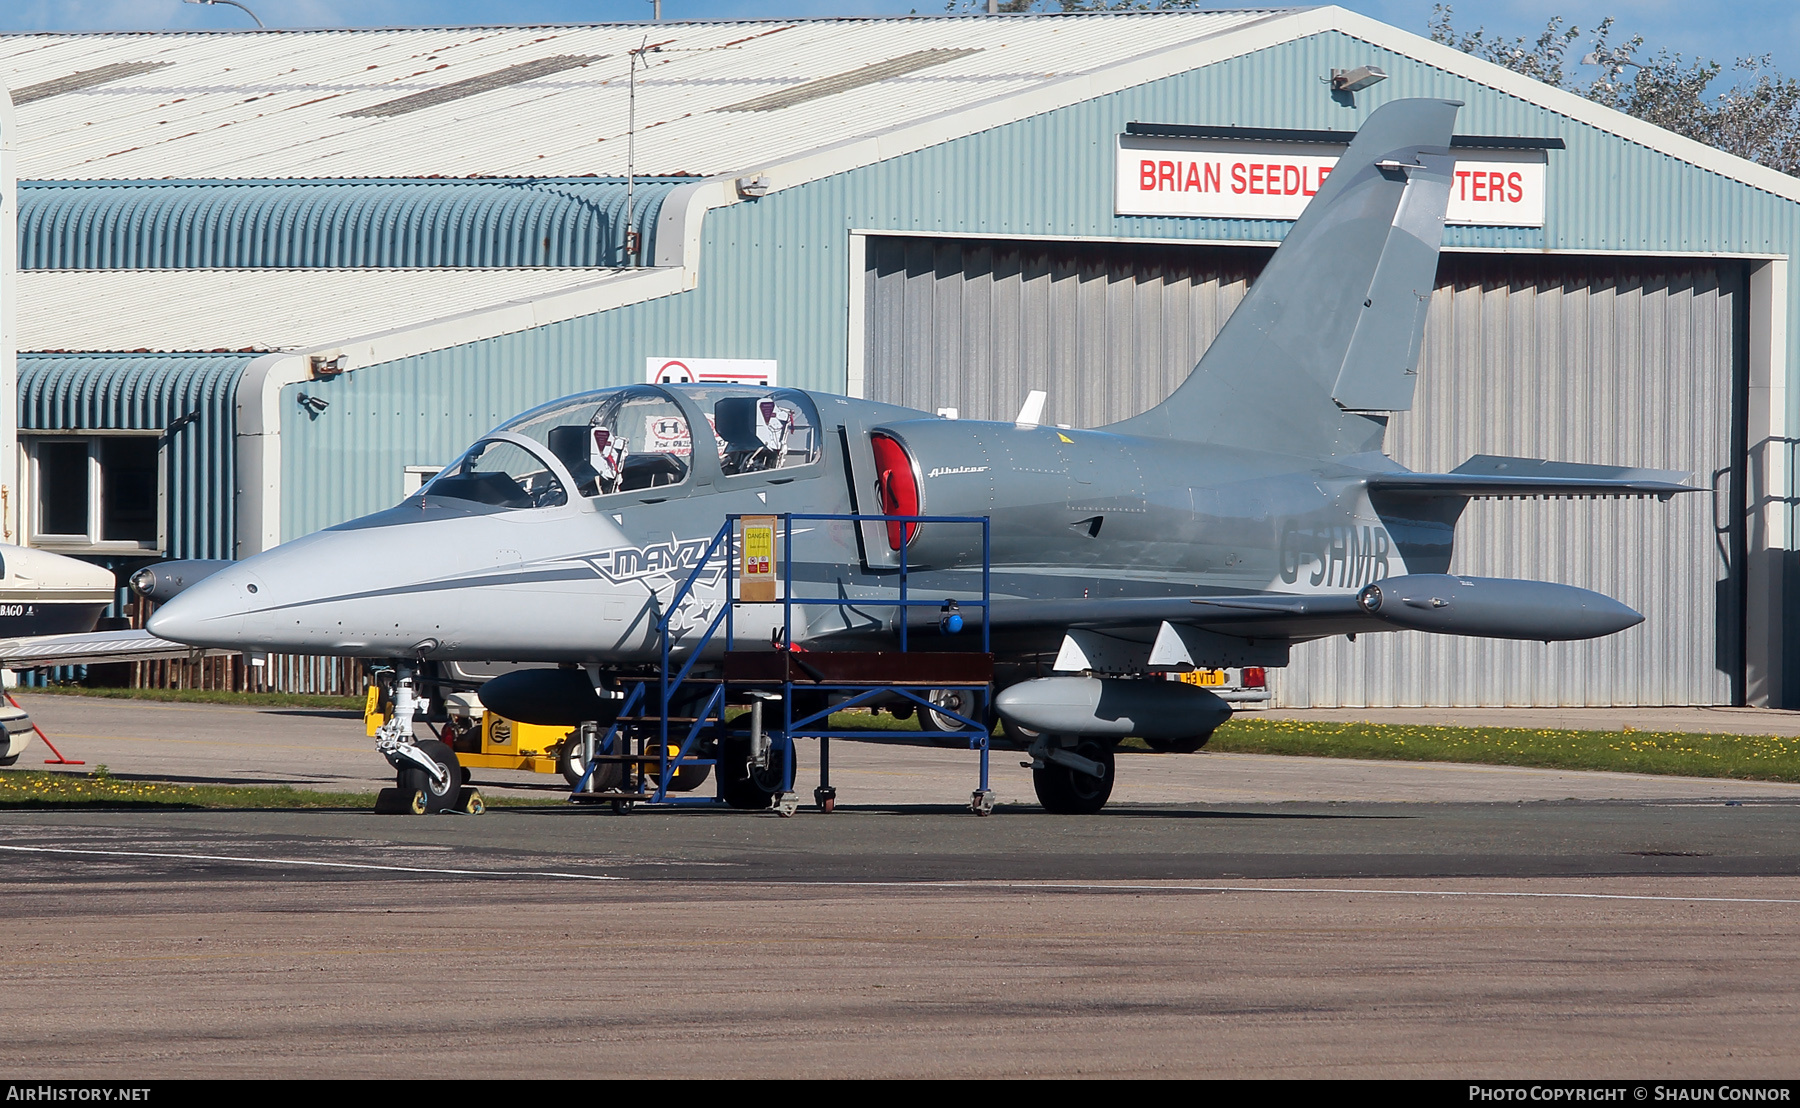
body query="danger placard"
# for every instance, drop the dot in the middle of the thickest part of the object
(1174, 177)
(756, 561)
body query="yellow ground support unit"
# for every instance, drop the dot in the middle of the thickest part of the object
(502, 743)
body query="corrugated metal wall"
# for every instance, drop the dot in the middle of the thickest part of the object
(1590, 361)
(81, 392)
(332, 223)
(1106, 331)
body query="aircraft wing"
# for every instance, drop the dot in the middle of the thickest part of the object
(92, 648)
(1448, 604)
(1266, 615)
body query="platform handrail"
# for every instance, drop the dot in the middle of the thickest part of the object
(668, 685)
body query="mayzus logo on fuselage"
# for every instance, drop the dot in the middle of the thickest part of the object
(677, 557)
(1342, 557)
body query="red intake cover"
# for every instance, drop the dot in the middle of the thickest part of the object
(898, 486)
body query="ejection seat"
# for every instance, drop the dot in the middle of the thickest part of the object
(735, 418)
(570, 445)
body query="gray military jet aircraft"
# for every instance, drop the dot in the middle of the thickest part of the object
(1250, 510)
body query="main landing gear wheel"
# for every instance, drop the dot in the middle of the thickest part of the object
(421, 793)
(685, 779)
(1019, 737)
(747, 788)
(1186, 745)
(1070, 792)
(934, 722)
(571, 765)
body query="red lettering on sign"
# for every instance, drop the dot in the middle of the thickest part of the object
(1192, 181)
(1516, 191)
(1147, 176)
(1479, 192)
(1462, 184)
(1237, 178)
(1497, 186)
(1291, 180)
(1165, 175)
(1256, 180)
(1211, 177)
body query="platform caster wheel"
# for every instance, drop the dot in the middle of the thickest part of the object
(982, 802)
(620, 807)
(471, 802)
(825, 798)
(786, 804)
(1070, 792)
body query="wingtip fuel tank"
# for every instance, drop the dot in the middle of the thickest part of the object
(1495, 608)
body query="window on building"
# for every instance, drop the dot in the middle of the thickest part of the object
(97, 491)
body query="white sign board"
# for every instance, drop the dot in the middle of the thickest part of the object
(1498, 188)
(712, 371)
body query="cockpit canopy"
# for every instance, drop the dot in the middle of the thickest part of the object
(631, 439)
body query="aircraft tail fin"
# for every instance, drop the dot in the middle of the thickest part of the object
(1329, 335)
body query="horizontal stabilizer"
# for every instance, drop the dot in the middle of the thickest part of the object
(93, 648)
(1489, 476)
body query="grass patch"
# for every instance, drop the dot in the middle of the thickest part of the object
(1748, 757)
(37, 789)
(202, 696)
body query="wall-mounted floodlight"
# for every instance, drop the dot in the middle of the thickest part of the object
(752, 187)
(329, 365)
(313, 405)
(1355, 80)
(230, 3)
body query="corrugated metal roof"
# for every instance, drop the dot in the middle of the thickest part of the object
(90, 392)
(331, 223)
(302, 103)
(267, 309)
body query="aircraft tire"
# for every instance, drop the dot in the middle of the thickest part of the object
(417, 781)
(570, 765)
(934, 723)
(687, 778)
(1019, 737)
(1186, 745)
(9, 760)
(1070, 793)
(752, 793)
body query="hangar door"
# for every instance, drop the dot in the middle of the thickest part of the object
(1623, 361)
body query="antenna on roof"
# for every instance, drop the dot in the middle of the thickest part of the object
(633, 241)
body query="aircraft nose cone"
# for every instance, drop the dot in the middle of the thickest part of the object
(209, 613)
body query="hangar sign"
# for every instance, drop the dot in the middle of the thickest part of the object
(1237, 180)
(711, 371)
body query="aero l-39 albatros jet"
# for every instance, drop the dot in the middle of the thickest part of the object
(1250, 510)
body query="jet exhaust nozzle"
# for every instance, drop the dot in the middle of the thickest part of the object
(166, 580)
(1113, 707)
(1494, 607)
(547, 698)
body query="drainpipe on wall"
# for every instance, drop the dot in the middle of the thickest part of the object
(9, 332)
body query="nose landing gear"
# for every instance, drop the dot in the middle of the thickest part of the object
(428, 779)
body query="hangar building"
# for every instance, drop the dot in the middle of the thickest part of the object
(265, 279)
